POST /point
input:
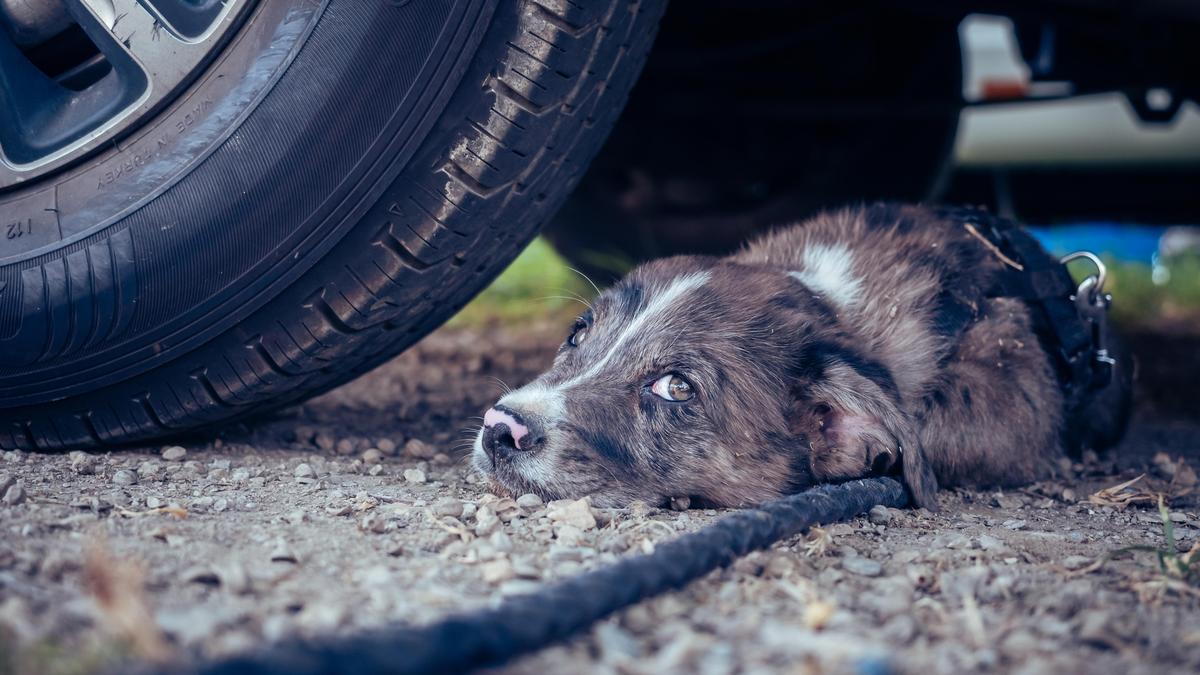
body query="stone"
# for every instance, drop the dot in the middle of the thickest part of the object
(1013, 524)
(680, 503)
(1074, 562)
(6, 481)
(125, 477)
(282, 552)
(615, 643)
(149, 470)
(568, 535)
(15, 494)
(419, 449)
(1007, 501)
(989, 543)
(497, 570)
(525, 568)
(500, 542)
(486, 521)
(386, 445)
(372, 456)
(879, 515)
(81, 463)
(576, 513)
(414, 475)
(529, 503)
(1094, 627)
(448, 506)
(862, 566)
(373, 522)
(304, 470)
(174, 453)
(506, 509)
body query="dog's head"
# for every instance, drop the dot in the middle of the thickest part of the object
(727, 383)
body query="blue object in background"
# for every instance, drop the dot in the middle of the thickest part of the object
(1120, 241)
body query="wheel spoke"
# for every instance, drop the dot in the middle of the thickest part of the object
(189, 20)
(147, 50)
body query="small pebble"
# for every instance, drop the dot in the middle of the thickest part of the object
(304, 471)
(680, 503)
(1013, 524)
(448, 506)
(879, 515)
(283, 553)
(497, 571)
(15, 494)
(1074, 562)
(125, 477)
(174, 453)
(528, 503)
(414, 475)
(386, 445)
(486, 521)
(576, 513)
(568, 535)
(990, 543)
(419, 449)
(862, 566)
(372, 456)
(149, 470)
(81, 463)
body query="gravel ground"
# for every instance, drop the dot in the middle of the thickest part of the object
(357, 508)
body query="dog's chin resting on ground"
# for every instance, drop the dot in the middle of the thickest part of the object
(821, 352)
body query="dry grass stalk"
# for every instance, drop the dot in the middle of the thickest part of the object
(118, 590)
(1123, 494)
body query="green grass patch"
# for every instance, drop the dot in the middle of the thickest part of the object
(1145, 297)
(538, 284)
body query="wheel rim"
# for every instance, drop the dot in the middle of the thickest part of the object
(76, 75)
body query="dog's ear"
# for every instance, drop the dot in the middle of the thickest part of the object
(846, 410)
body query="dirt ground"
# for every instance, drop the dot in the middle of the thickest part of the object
(356, 509)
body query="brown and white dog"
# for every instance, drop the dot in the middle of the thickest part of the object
(820, 352)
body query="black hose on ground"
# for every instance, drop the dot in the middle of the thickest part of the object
(526, 623)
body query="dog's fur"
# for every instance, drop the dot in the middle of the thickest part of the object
(824, 351)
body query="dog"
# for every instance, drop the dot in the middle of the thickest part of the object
(822, 352)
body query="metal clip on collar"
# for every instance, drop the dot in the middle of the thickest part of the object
(1092, 303)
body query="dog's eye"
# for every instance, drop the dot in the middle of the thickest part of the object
(672, 388)
(578, 335)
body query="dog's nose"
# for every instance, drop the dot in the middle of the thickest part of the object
(505, 432)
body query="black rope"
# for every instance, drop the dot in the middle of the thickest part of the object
(526, 623)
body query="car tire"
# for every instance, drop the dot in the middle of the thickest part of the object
(396, 159)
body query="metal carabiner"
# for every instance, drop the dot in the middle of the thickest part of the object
(1092, 302)
(1101, 270)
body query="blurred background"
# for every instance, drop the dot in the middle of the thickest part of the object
(1078, 125)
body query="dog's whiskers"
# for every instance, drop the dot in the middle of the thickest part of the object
(587, 279)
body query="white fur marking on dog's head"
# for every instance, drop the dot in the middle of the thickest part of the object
(829, 270)
(661, 302)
